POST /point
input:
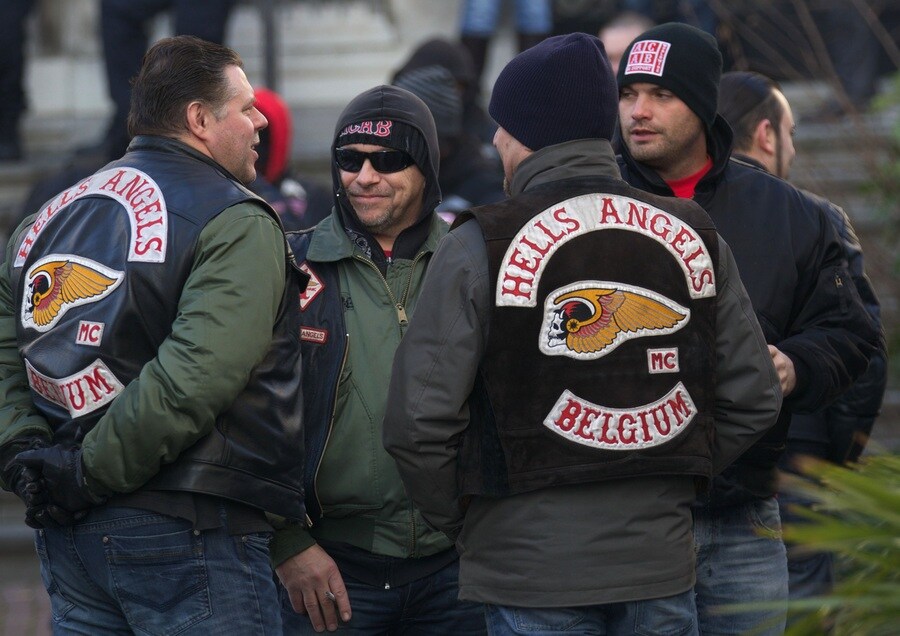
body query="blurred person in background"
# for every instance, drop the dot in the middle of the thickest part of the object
(124, 34)
(480, 18)
(13, 14)
(467, 177)
(618, 33)
(300, 202)
(763, 125)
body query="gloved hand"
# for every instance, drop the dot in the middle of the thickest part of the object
(26, 483)
(63, 476)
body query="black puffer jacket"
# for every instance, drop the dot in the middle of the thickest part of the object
(793, 267)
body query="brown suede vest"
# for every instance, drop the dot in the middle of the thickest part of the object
(602, 346)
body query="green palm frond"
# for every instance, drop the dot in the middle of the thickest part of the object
(856, 516)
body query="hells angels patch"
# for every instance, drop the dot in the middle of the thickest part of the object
(138, 194)
(535, 244)
(645, 426)
(589, 319)
(58, 282)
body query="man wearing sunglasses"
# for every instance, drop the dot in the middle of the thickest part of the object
(368, 558)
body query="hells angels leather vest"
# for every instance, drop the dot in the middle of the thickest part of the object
(97, 280)
(601, 352)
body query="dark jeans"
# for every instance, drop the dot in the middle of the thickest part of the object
(427, 607)
(671, 616)
(126, 571)
(12, 61)
(123, 25)
(741, 559)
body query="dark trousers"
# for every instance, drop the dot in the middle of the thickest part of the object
(124, 26)
(12, 63)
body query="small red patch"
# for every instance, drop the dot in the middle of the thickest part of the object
(316, 336)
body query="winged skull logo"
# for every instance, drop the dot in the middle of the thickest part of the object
(57, 283)
(591, 318)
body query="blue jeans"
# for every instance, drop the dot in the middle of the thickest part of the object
(670, 616)
(429, 607)
(809, 573)
(480, 17)
(126, 571)
(737, 562)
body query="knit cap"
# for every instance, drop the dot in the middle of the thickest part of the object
(558, 90)
(681, 58)
(436, 86)
(390, 134)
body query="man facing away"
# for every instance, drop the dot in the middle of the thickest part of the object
(369, 558)
(792, 264)
(763, 125)
(149, 364)
(583, 357)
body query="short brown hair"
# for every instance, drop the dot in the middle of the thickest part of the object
(175, 72)
(745, 99)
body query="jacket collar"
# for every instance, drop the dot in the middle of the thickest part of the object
(578, 158)
(331, 243)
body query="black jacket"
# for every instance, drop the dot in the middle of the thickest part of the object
(792, 264)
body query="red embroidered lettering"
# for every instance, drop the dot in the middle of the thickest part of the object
(76, 401)
(96, 381)
(569, 416)
(518, 259)
(155, 244)
(520, 286)
(560, 215)
(609, 213)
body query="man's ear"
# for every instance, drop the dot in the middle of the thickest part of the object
(198, 119)
(764, 137)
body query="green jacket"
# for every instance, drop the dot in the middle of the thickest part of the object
(183, 389)
(357, 485)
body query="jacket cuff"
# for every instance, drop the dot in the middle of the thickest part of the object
(288, 542)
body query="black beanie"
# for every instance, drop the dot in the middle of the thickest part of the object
(390, 134)
(678, 57)
(558, 90)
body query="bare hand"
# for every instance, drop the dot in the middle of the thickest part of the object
(308, 577)
(785, 369)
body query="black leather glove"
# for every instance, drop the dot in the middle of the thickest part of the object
(63, 476)
(25, 482)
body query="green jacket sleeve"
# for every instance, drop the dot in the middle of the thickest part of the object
(18, 417)
(288, 541)
(223, 329)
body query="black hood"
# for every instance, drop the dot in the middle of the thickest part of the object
(719, 142)
(395, 104)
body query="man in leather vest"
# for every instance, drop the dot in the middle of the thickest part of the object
(792, 264)
(586, 359)
(150, 373)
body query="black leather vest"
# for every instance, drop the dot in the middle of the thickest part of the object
(601, 353)
(99, 276)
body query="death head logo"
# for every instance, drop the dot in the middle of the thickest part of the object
(58, 282)
(590, 319)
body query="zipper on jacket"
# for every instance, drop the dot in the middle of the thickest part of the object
(412, 269)
(330, 428)
(402, 318)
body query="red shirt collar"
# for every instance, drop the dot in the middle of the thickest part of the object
(684, 187)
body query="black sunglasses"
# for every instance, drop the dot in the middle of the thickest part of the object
(384, 161)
